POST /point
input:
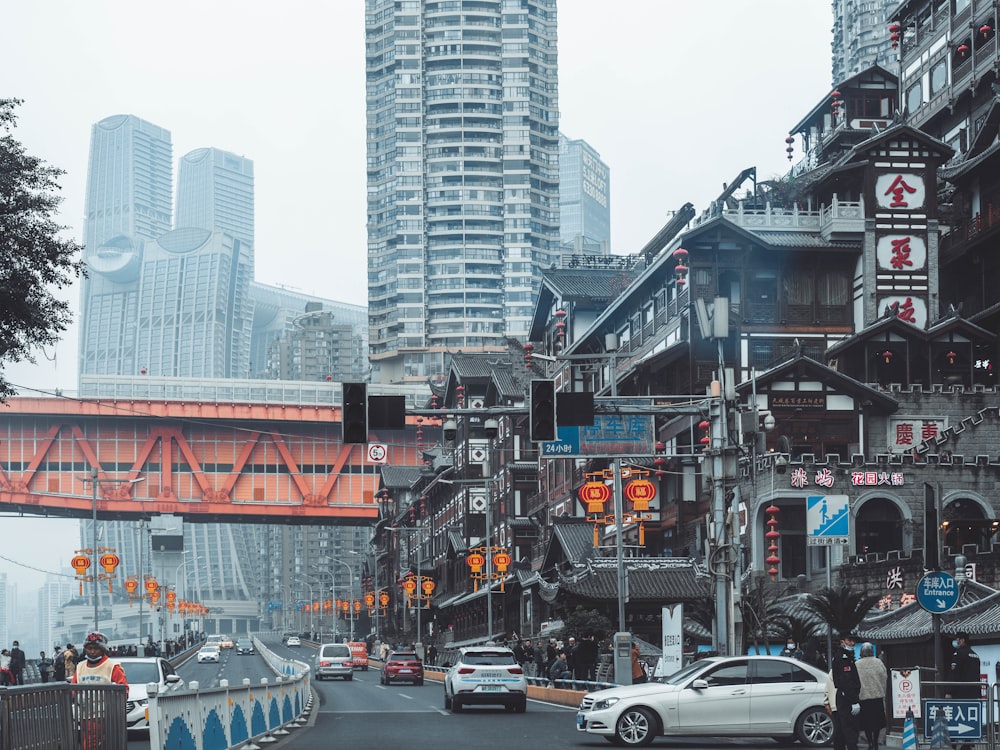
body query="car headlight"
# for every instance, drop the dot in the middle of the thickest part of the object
(604, 704)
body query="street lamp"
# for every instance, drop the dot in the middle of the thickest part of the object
(95, 481)
(309, 586)
(350, 613)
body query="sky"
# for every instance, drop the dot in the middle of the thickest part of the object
(677, 96)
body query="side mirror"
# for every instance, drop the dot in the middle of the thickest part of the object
(699, 684)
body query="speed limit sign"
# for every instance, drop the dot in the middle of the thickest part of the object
(377, 453)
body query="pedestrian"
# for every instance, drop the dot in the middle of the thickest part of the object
(44, 666)
(964, 672)
(791, 649)
(638, 670)
(571, 648)
(874, 678)
(432, 654)
(59, 665)
(17, 662)
(96, 668)
(6, 678)
(847, 698)
(811, 654)
(559, 669)
(585, 663)
(539, 656)
(550, 653)
(518, 649)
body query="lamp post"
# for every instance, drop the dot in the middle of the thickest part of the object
(350, 613)
(611, 344)
(311, 597)
(95, 481)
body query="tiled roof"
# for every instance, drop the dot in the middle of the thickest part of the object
(649, 579)
(403, 477)
(976, 613)
(576, 540)
(478, 364)
(805, 240)
(583, 284)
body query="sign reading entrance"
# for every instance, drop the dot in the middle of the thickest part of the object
(937, 592)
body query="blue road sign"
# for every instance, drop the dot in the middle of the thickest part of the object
(937, 592)
(965, 718)
(610, 435)
(828, 519)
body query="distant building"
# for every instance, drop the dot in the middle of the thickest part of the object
(128, 203)
(463, 177)
(861, 37)
(215, 192)
(584, 199)
(317, 348)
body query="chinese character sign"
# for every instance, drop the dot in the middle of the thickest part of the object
(900, 191)
(906, 433)
(904, 252)
(905, 307)
(894, 578)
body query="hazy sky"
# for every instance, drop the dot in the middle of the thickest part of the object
(678, 96)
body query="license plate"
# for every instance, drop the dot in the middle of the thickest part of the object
(490, 689)
(579, 720)
(404, 671)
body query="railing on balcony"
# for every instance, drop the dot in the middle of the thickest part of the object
(967, 231)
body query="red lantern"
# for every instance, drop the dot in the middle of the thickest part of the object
(985, 30)
(887, 356)
(640, 492)
(595, 495)
(963, 49)
(80, 564)
(952, 356)
(706, 426)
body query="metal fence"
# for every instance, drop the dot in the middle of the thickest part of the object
(60, 716)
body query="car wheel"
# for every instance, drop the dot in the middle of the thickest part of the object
(447, 701)
(636, 727)
(419, 682)
(349, 677)
(521, 706)
(456, 706)
(814, 727)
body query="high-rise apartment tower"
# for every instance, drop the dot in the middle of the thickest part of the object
(463, 176)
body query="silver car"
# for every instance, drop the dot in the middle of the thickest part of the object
(334, 660)
(739, 696)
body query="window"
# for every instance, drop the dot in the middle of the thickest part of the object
(730, 674)
(914, 98)
(771, 671)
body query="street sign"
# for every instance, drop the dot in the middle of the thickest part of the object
(905, 693)
(828, 520)
(378, 453)
(611, 435)
(937, 592)
(965, 718)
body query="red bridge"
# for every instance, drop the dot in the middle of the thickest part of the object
(206, 461)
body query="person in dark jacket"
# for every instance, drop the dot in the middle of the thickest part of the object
(559, 669)
(847, 683)
(17, 662)
(964, 667)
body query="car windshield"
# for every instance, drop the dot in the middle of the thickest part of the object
(481, 659)
(141, 672)
(404, 657)
(244, 641)
(685, 673)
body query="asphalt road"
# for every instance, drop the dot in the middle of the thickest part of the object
(362, 714)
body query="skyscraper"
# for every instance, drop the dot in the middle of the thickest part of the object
(128, 203)
(584, 198)
(215, 192)
(463, 176)
(860, 37)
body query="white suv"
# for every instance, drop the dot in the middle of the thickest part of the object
(485, 675)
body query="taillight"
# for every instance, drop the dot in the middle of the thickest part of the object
(466, 670)
(515, 670)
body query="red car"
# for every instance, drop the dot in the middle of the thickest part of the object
(403, 666)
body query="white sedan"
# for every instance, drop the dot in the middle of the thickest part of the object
(741, 696)
(293, 640)
(208, 654)
(484, 675)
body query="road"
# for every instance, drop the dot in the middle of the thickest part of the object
(363, 714)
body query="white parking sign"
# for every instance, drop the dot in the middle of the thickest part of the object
(905, 693)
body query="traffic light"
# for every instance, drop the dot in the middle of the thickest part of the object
(355, 413)
(542, 408)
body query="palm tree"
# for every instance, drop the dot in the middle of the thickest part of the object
(842, 609)
(797, 628)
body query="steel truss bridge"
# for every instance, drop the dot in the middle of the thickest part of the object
(210, 462)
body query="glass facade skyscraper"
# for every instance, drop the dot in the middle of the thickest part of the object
(128, 203)
(463, 176)
(584, 198)
(215, 191)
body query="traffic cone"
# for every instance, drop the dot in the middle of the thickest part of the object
(909, 733)
(939, 734)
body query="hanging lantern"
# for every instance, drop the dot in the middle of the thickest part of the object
(460, 395)
(660, 464)
(952, 357)
(434, 402)
(705, 426)
(772, 536)
(894, 40)
(788, 147)
(680, 256)
(963, 49)
(660, 447)
(887, 356)
(529, 349)
(985, 30)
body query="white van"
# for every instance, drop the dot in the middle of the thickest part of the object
(334, 660)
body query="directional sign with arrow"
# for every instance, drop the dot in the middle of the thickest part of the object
(937, 592)
(964, 718)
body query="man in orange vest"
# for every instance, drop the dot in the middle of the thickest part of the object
(97, 668)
